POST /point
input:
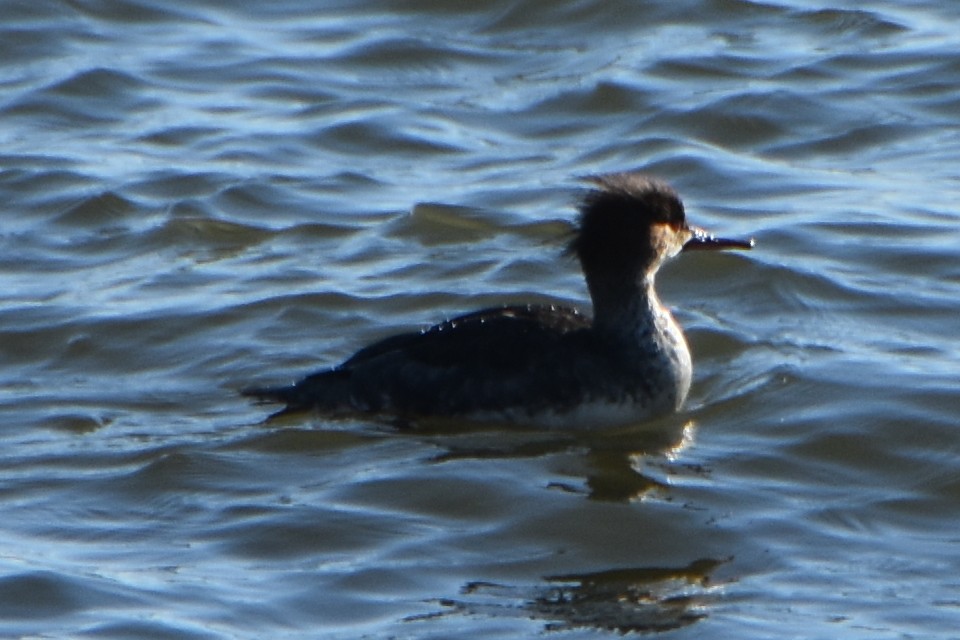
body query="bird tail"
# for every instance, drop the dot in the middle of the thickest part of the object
(288, 395)
(322, 391)
(270, 395)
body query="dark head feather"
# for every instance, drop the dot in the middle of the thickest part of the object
(616, 218)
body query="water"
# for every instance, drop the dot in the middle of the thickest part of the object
(200, 196)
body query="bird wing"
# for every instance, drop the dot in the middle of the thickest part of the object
(489, 336)
(485, 361)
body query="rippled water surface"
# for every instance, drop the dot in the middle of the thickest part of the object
(200, 196)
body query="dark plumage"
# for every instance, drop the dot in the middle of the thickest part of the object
(539, 364)
(457, 366)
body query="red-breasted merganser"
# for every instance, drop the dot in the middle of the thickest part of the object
(541, 365)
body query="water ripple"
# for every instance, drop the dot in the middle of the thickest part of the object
(199, 197)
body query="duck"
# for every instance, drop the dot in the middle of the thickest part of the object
(545, 366)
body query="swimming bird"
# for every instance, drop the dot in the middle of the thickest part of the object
(541, 365)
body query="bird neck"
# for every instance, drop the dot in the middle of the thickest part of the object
(627, 307)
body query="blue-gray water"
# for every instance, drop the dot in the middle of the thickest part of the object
(200, 196)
